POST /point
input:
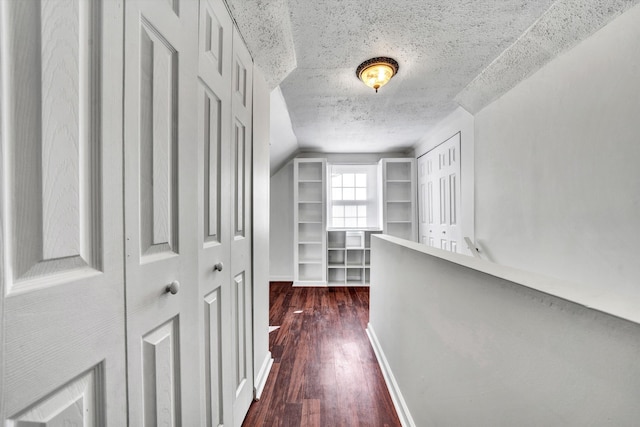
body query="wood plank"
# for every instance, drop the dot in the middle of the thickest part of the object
(325, 372)
(310, 413)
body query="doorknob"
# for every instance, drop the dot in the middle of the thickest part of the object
(218, 267)
(173, 287)
(444, 232)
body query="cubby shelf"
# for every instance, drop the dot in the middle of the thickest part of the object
(348, 255)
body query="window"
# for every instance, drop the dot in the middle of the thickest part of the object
(353, 196)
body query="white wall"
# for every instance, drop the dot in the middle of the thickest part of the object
(281, 137)
(458, 121)
(468, 345)
(261, 355)
(281, 225)
(557, 165)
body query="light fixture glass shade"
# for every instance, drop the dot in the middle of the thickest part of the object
(377, 72)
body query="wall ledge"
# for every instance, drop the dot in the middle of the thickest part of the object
(623, 306)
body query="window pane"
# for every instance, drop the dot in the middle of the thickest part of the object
(362, 211)
(349, 194)
(336, 180)
(336, 194)
(338, 211)
(362, 222)
(351, 222)
(361, 194)
(361, 180)
(338, 222)
(351, 211)
(348, 180)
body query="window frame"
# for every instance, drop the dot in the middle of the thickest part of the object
(370, 202)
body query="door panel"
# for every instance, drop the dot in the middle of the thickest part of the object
(75, 403)
(62, 284)
(158, 144)
(161, 392)
(240, 341)
(55, 216)
(160, 212)
(213, 374)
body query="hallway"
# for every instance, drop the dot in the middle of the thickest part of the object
(325, 372)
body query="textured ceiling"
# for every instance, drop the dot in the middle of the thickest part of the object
(565, 24)
(454, 52)
(441, 47)
(266, 28)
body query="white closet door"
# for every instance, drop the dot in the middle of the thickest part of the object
(61, 287)
(439, 193)
(214, 209)
(241, 278)
(163, 340)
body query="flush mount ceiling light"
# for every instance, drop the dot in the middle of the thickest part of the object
(376, 72)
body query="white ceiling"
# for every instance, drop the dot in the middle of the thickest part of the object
(450, 52)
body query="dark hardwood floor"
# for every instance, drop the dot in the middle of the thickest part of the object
(325, 372)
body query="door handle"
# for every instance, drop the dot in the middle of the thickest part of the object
(173, 287)
(218, 267)
(444, 232)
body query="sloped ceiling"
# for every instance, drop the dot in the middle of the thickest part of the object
(451, 53)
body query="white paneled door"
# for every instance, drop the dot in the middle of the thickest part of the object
(214, 208)
(241, 272)
(125, 208)
(62, 360)
(224, 176)
(439, 196)
(163, 339)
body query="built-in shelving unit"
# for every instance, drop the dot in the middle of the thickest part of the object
(341, 257)
(349, 256)
(399, 198)
(309, 220)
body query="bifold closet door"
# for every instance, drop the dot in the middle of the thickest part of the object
(214, 209)
(439, 195)
(241, 271)
(163, 340)
(62, 360)
(224, 168)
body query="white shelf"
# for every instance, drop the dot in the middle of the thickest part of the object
(350, 266)
(399, 197)
(309, 217)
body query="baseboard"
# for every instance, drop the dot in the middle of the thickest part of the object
(281, 278)
(263, 374)
(396, 395)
